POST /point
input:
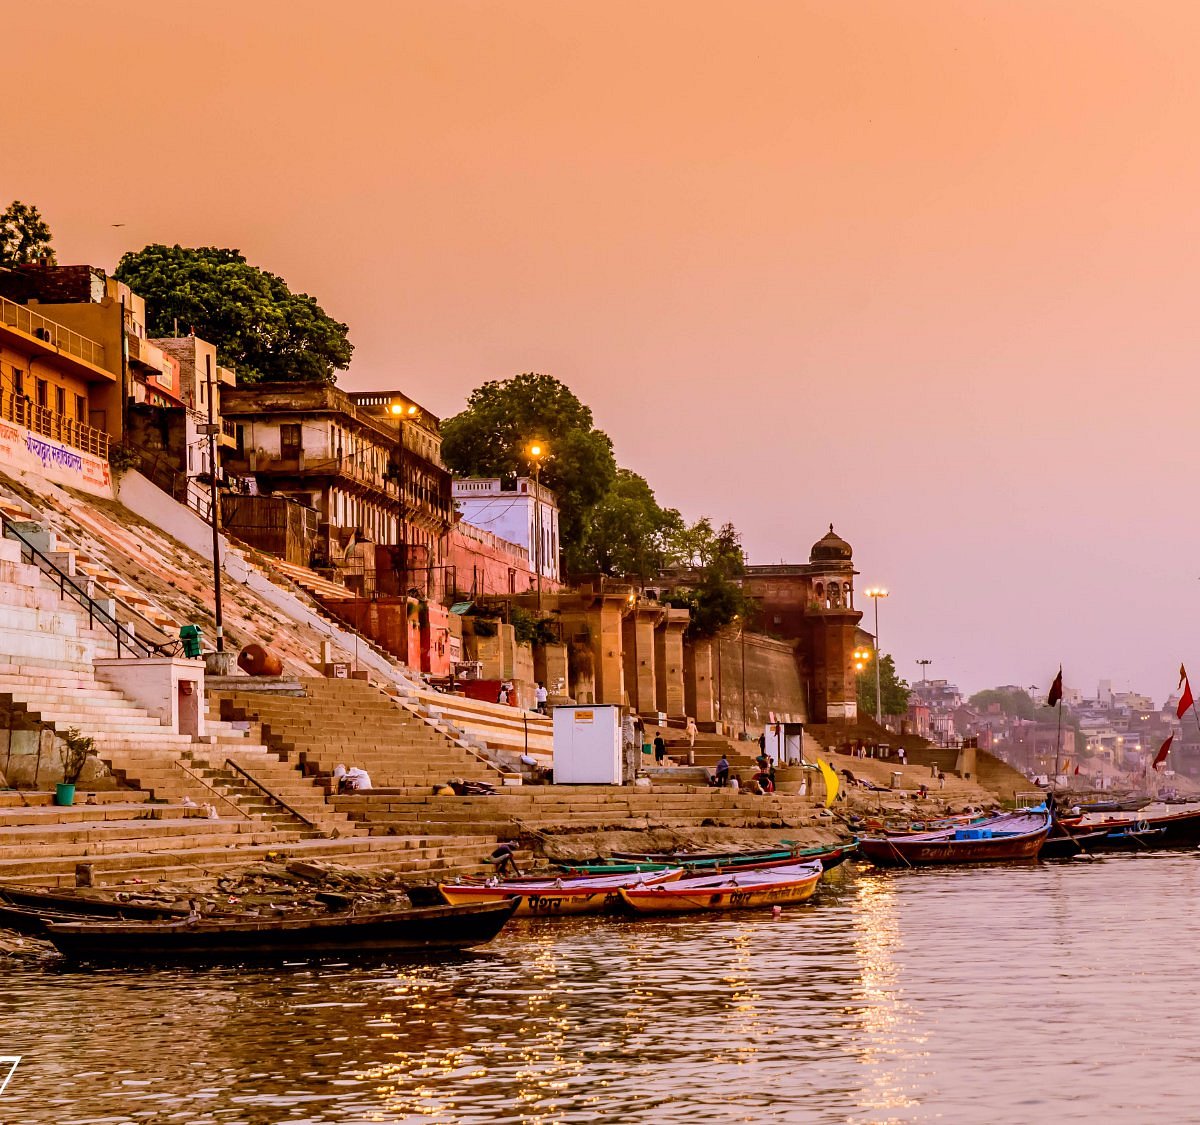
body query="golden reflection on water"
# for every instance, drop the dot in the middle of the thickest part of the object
(907, 997)
(885, 1018)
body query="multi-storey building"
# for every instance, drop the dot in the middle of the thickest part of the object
(85, 302)
(52, 382)
(367, 464)
(518, 510)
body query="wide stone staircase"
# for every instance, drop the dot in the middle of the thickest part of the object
(316, 724)
(576, 809)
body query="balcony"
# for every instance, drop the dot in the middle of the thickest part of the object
(18, 409)
(227, 438)
(50, 332)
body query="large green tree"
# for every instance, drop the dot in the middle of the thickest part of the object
(24, 235)
(492, 435)
(260, 327)
(892, 688)
(627, 531)
(712, 592)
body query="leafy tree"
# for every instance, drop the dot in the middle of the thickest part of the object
(490, 438)
(627, 532)
(702, 547)
(1013, 702)
(259, 326)
(24, 235)
(893, 690)
(715, 596)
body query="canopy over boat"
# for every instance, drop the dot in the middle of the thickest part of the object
(733, 891)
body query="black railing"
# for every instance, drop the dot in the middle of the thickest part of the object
(274, 796)
(98, 616)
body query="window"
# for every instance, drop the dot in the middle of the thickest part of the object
(60, 401)
(289, 441)
(81, 409)
(41, 392)
(18, 382)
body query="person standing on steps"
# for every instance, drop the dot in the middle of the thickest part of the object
(660, 749)
(542, 696)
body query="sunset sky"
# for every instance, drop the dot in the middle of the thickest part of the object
(927, 271)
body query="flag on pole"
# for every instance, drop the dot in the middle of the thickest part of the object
(1055, 690)
(1185, 700)
(1161, 756)
(1076, 771)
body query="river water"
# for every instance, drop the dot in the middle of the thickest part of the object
(1055, 992)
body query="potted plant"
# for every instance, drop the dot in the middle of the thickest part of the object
(76, 748)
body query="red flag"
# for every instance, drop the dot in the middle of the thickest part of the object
(1185, 700)
(1055, 690)
(1076, 771)
(1161, 756)
(1182, 674)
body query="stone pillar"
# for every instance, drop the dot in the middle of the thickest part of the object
(698, 690)
(605, 625)
(831, 650)
(668, 659)
(550, 667)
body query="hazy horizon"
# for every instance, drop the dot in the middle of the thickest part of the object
(915, 270)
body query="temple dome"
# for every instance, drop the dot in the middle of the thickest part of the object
(831, 548)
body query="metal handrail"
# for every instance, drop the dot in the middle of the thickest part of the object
(203, 783)
(274, 796)
(68, 587)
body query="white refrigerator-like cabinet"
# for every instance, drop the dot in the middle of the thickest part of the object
(587, 745)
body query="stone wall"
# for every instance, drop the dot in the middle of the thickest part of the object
(773, 682)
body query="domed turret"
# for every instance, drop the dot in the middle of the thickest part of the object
(831, 548)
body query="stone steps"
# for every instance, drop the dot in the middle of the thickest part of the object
(418, 856)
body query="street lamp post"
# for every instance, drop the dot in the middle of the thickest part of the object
(742, 639)
(924, 664)
(875, 593)
(400, 411)
(537, 454)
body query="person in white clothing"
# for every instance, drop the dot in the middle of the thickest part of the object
(542, 696)
(357, 779)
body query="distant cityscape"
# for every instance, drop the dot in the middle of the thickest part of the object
(1105, 736)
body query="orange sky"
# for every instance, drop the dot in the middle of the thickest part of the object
(922, 269)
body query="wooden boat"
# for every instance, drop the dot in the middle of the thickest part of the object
(1123, 804)
(737, 890)
(1011, 836)
(302, 937)
(1064, 845)
(88, 906)
(590, 894)
(700, 862)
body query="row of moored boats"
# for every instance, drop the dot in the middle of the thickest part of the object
(91, 928)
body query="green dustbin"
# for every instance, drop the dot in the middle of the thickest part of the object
(190, 636)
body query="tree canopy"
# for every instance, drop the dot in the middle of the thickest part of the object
(627, 532)
(1013, 702)
(491, 438)
(892, 688)
(713, 594)
(24, 235)
(260, 327)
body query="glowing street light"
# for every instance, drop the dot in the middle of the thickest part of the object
(400, 411)
(536, 451)
(875, 593)
(862, 657)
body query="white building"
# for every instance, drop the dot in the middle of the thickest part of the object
(514, 510)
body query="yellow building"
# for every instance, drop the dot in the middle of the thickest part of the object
(50, 378)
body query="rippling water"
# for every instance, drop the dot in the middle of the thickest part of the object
(1057, 992)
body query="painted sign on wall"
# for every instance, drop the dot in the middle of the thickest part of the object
(25, 451)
